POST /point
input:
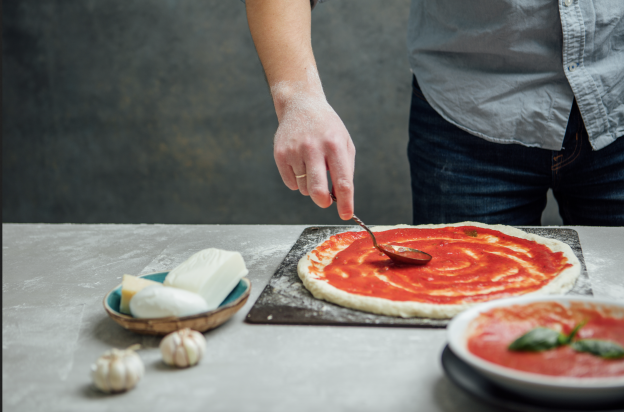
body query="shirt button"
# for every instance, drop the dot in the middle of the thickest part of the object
(567, 2)
(572, 67)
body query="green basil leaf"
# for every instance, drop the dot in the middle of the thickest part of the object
(565, 340)
(603, 348)
(537, 340)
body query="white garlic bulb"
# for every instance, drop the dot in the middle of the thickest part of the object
(183, 348)
(117, 370)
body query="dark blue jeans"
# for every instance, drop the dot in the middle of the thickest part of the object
(457, 176)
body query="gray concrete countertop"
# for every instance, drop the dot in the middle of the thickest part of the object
(54, 327)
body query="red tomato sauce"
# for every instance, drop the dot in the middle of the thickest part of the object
(492, 332)
(470, 264)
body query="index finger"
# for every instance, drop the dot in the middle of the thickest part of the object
(341, 171)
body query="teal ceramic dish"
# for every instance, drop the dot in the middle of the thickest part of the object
(161, 326)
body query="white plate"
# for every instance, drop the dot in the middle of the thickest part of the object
(535, 386)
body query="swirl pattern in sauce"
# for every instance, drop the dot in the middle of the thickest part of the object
(470, 264)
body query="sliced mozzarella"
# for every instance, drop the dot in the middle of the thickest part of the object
(160, 302)
(211, 273)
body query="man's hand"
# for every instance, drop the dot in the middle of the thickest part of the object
(311, 138)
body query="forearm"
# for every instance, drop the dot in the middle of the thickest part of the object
(310, 138)
(281, 30)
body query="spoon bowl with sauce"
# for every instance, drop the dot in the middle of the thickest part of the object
(398, 254)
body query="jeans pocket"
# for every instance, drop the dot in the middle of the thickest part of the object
(416, 90)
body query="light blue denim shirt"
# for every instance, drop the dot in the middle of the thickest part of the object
(508, 70)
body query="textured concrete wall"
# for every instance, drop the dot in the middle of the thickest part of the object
(157, 111)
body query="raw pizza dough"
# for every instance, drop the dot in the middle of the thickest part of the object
(310, 269)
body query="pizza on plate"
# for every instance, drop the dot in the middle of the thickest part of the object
(472, 263)
(490, 334)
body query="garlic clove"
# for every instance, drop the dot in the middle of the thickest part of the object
(117, 375)
(177, 339)
(180, 358)
(190, 347)
(166, 349)
(99, 374)
(134, 372)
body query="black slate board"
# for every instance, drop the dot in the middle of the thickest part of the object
(286, 301)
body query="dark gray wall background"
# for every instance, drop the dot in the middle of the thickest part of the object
(158, 112)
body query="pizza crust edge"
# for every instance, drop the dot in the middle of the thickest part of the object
(322, 290)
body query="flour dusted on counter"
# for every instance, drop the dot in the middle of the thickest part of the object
(211, 273)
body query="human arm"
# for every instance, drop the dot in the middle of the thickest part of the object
(310, 138)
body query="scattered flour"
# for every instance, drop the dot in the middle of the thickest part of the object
(255, 258)
(598, 267)
(33, 283)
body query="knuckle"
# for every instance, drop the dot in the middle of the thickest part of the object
(332, 145)
(343, 186)
(307, 146)
(317, 191)
(280, 155)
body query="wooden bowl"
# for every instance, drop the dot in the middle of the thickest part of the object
(161, 326)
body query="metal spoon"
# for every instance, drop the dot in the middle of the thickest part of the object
(399, 254)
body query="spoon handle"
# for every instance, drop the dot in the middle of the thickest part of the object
(359, 222)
